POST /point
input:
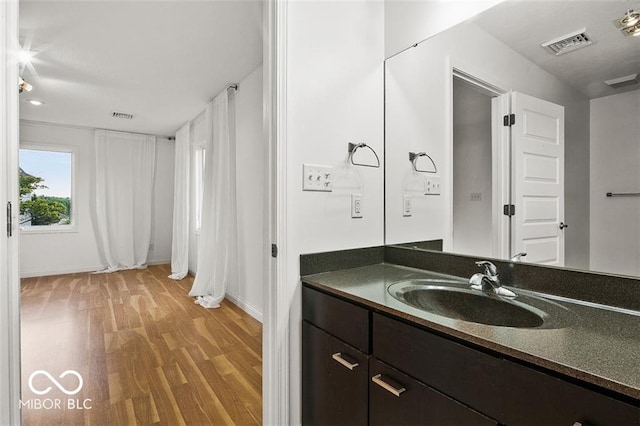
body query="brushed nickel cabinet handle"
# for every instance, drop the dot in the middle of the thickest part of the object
(396, 390)
(340, 358)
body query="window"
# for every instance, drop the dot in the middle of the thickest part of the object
(200, 159)
(46, 190)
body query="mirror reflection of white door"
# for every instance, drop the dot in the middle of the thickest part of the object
(538, 180)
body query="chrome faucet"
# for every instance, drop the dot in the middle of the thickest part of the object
(488, 281)
(518, 257)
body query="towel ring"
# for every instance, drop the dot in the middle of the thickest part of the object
(413, 157)
(354, 147)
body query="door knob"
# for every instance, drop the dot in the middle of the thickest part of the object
(563, 225)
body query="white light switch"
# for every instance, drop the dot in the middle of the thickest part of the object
(317, 178)
(356, 206)
(406, 205)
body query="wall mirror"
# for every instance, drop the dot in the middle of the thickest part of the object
(519, 131)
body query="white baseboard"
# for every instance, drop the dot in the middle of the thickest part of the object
(60, 271)
(245, 306)
(75, 269)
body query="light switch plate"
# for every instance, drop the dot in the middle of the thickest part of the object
(432, 186)
(317, 178)
(356, 206)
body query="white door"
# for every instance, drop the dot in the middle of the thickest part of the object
(538, 179)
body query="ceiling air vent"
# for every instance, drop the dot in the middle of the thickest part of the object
(124, 115)
(568, 43)
(627, 80)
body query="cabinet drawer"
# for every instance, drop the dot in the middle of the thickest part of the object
(334, 389)
(464, 374)
(418, 404)
(344, 320)
(536, 398)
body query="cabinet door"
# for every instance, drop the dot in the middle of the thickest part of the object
(397, 399)
(334, 380)
(535, 398)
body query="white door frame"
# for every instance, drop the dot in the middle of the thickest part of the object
(275, 341)
(500, 146)
(276, 318)
(9, 245)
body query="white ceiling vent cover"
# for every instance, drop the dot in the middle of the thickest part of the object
(123, 115)
(569, 43)
(627, 80)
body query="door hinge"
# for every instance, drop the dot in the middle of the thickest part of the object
(509, 210)
(9, 219)
(274, 250)
(509, 120)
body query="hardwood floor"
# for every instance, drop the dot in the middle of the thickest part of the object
(146, 352)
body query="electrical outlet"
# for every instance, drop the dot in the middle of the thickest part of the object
(406, 206)
(317, 178)
(432, 186)
(356, 206)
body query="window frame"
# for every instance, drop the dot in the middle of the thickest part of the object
(57, 229)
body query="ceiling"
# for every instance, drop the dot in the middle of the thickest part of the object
(525, 25)
(159, 60)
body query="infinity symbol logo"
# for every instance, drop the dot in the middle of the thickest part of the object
(55, 382)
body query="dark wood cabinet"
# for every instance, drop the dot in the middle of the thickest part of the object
(397, 399)
(411, 375)
(335, 380)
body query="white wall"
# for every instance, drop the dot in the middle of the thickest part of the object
(419, 100)
(248, 292)
(334, 96)
(615, 167)
(409, 21)
(245, 108)
(60, 253)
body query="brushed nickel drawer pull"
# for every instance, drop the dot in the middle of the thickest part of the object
(340, 358)
(377, 379)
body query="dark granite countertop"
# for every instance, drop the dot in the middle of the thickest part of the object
(601, 346)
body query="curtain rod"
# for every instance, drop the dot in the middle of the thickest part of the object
(77, 126)
(234, 86)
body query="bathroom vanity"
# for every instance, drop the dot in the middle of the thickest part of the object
(368, 358)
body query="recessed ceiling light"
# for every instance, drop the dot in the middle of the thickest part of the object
(25, 56)
(35, 102)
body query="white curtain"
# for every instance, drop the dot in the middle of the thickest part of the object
(124, 169)
(217, 245)
(180, 242)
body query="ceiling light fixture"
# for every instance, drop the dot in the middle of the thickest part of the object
(25, 56)
(629, 24)
(629, 19)
(35, 102)
(24, 86)
(632, 31)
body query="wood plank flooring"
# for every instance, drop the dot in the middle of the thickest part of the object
(147, 354)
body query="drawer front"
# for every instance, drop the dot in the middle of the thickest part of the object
(344, 320)
(334, 389)
(464, 374)
(417, 404)
(536, 398)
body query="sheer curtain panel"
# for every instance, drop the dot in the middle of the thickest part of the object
(217, 245)
(180, 242)
(124, 169)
